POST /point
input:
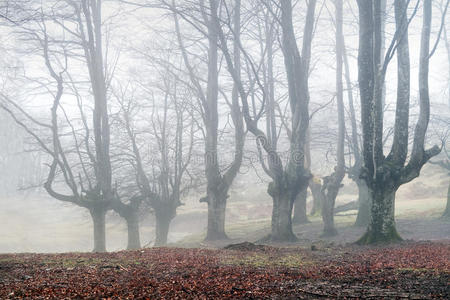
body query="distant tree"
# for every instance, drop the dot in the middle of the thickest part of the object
(332, 183)
(161, 175)
(445, 164)
(443, 7)
(21, 164)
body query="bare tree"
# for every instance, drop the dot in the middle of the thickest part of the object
(287, 181)
(443, 8)
(332, 183)
(82, 170)
(160, 180)
(384, 175)
(218, 182)
(445, 164)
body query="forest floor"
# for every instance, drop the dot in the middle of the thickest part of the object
(418, 270)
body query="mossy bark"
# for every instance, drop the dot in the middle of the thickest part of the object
(382, 228)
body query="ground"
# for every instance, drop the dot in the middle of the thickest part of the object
(311, 268)
(418, 270)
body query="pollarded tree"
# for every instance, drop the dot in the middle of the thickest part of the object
(384, 175)
(218, 181)
(80, 172)
(289, 180)
(161, 174)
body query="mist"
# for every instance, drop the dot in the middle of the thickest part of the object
(224, 149)
(140, 119)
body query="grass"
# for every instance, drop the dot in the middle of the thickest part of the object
(42, 224)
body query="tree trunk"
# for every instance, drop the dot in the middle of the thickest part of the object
(300, 216)
(329, 199)
(315, 187)
(98, 219)
(363, 217)
(129, 212)
(332, 183)
(216, 219)
(134, 241)
(446, 214)
(381, 228)
(283, 203)
(163, 220)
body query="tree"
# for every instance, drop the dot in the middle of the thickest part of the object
(160, 180)
(332, 183)
(289, 181)
(81, 166)
(218, 182)
(384, 175)
(445, 164)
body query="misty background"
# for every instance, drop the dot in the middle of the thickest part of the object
(144, 67)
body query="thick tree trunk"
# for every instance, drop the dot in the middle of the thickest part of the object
(216, 219)
(300, 216)
(363, 217)
(381, 228)
(446, 214)
(98, 218)
(163, 220)
(316, 186)
(134, 241)
(129, 212)
(283, 203)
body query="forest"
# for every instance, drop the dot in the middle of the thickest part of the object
(189, 149)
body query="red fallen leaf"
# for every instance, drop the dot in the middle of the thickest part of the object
(420, 268)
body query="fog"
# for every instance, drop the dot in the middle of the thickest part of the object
(130, 124)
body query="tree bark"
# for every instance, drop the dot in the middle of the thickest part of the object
(381, 228)
(446, 214)
(98, 218)
(300, 215)
(216, 219)
(283, 201)
(363, 217)
(332, 183)
(315, 186)
(134, 241)
(384, 175)
(289, 181)
(163, 220)
(329, 199)
(129, 212)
